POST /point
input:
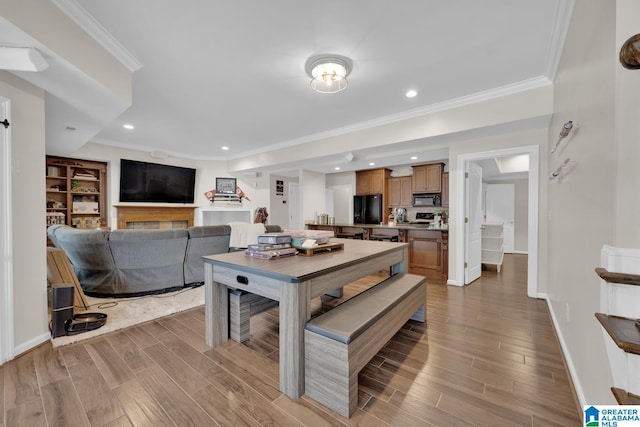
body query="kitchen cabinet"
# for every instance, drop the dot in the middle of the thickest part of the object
(427, 178)
(445, 190)
(76, 192)
(428, 253)
(400, 192)
(373, 181)
(428, 248)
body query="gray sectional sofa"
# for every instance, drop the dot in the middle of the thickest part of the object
(126, 263)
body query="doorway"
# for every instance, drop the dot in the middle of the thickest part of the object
(532, 246)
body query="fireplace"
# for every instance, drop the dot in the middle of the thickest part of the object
(155, 217)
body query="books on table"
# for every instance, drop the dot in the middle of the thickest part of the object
(270, 246)
(274, 238)
(271, 254)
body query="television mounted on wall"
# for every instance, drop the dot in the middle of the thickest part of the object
(156, 183)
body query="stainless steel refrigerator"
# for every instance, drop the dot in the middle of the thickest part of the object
(367, 209)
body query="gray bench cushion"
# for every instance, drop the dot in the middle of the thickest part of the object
(347, 321)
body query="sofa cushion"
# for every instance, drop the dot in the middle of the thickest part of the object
(203, 240)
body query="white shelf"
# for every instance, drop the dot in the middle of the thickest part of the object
(492, 244)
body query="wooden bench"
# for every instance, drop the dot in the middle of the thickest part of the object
(340, 342)
(243, 305)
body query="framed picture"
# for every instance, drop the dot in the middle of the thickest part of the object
(226, 185)
(279, 188)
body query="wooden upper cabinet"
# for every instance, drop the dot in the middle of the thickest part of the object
(400, 191)
(371, 181)
(445, 190)
(427, 178)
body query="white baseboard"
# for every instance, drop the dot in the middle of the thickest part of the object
(26, 346)
(567, 356)
(521, 252)
(453, 282)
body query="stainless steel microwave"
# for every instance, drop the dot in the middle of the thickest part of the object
(425, 200)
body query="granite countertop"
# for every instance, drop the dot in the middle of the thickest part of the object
(401, 225)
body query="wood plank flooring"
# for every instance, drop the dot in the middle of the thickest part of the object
(487, 356)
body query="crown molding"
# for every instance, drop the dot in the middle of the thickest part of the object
(88, 23)
(522, 86)
(564, 11)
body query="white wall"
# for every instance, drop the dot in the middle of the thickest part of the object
(581, 207)
(279, 213)
(312, 194)
(343, 187)
(627, 205)
(256, 188)
(27, 208)
(526, 137)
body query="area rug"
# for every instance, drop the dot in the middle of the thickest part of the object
(125, 312)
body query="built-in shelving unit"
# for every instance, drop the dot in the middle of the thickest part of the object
(76, 192)
(492, 244)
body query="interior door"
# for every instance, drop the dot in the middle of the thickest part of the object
(473, 222)
(500, 207)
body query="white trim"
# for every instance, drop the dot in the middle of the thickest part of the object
(32, 343)
(521, 252)
(567, 356)
(88, 23)
(6, 244)
(563, 14)
(533, 152)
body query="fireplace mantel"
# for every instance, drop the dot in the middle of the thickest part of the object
(149, 213)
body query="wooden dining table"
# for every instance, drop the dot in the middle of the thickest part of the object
(293, 281)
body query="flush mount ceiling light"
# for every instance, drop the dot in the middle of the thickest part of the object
(328, 73)
(21, 59)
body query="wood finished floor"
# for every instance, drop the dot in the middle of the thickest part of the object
(487, 356)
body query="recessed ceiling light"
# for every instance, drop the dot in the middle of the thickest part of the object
(337, 168)
(371, 164)
(225, 148)
(414, 157)
(411, 93)
(128, 126)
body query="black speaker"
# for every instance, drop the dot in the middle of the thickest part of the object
(62, 311)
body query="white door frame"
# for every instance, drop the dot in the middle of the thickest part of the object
(6, 244)
(534, 172)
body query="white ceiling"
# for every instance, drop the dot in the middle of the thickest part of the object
(216, 73)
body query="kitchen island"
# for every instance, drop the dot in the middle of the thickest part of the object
(428, 247)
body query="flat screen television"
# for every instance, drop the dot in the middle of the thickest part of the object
(156, 183)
